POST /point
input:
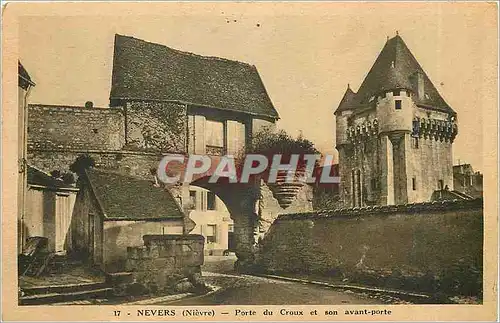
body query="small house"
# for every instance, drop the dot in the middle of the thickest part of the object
(114, 211)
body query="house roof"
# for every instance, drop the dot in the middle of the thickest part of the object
(40, 178)
(122, 197)
(23, 78)
(397, 68)
(149, 71)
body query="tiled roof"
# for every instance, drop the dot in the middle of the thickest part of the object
(149, 71)
(23, 78)
(397, 68)
(38, 177)
(123, 197)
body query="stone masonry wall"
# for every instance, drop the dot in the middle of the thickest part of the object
(69, 127)
(427, 247)
(156, 126)
(165, 260)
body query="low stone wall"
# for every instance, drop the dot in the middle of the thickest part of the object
(167, 263)
(427, 247)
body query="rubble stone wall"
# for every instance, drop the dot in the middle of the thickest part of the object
(428, 247)
(165, 260)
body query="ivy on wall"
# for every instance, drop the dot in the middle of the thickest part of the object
(157, 126)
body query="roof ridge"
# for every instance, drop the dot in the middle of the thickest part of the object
(186, 52)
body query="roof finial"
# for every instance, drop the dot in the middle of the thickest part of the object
(348, 86)
(387, 37)
(397, 32)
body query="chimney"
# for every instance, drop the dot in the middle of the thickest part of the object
(420, 86)
(89, 104)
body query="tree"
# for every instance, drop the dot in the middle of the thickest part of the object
(82, 163)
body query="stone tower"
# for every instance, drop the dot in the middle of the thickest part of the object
(395, 135)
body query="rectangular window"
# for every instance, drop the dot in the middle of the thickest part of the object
(211, 233)
(396, 92)
(414, 183)
(230, 227)
(211, 204)
(398, 104)
(214, 137)
(192, 200)
(440, 184)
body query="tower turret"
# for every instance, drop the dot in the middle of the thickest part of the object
(342, 115)
(394, 135)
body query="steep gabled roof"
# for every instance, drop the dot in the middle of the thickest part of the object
(122, 197)
(40, 178)
(149, 71)
(397, 68)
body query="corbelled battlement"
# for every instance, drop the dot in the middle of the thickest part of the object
(436, 129)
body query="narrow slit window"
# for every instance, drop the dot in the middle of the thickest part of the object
(414, 183)
(398, 104)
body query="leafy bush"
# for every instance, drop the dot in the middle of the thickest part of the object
(81, 163)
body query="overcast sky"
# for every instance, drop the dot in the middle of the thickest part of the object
(306, 54)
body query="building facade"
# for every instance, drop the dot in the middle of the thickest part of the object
(468, 181)
(212, 219)
(164, 101)
(395, 135)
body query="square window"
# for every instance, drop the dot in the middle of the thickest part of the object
(398, 104)
(396, 92)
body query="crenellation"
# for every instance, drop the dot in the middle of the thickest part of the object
(392, 148)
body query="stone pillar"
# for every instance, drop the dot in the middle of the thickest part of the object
(240, 200)
(387, 171)
(398, 141)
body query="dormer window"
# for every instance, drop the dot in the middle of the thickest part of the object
(396, 92)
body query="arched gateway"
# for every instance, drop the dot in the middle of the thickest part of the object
(164, 102)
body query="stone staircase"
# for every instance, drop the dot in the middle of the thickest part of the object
(63, 280)
(38, 295)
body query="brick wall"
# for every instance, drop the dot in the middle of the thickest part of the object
(69, 127)
(428, 247)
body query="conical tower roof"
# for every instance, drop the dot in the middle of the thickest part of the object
(397, 68)
(347, 100)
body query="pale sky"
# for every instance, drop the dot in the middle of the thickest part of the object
(305, 53)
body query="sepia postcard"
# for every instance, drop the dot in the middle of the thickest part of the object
(250, 161)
